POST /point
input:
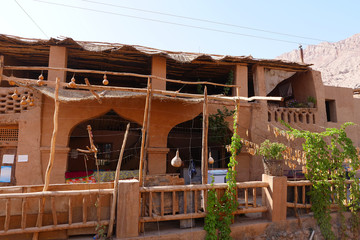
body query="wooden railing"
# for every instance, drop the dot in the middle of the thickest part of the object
(57, 210)
(165, 203)
(292, 115)
(297, 194)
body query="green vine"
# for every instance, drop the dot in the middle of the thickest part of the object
(229, 81)
(212, 215)
(326, 152)
(218, 126)
(220, 214)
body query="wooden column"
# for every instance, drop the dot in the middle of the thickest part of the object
(51, 158)
(53, 138)
(204, 145)
(143, 130)
(116, 182)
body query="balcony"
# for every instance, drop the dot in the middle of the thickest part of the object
(292, 115)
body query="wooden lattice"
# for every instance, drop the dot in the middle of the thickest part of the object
(9, 134)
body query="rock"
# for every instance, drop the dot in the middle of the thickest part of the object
(339, 62)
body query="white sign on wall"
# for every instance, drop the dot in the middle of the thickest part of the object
(23, 158)
(8, 159)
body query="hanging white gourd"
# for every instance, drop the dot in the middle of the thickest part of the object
(176, 161)
(211, 160)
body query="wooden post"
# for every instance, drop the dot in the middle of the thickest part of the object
(1, 66)
(143, 130)
(147, 135)
(142, 151)
(117, 173)
(204, 145)
(53, 138)
(51, 157)
(204, 157)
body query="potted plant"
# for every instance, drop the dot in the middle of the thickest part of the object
(272, 157)
(311, 101)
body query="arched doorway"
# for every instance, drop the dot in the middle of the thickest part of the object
(108, 132)
(187, 137)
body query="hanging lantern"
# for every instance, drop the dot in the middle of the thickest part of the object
(72, 83)
(176, 161)
(211, 160)
(15, 95)
(23, 101)
(12, 83)
(28, 100)
(105, 81)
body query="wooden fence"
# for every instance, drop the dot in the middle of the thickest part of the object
(53, 210)
(165, 203)
(298, 197)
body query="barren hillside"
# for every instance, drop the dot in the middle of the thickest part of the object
(339, 63)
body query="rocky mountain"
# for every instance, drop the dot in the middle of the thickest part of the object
(339, 63)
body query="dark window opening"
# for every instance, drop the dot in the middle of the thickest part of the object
(251, 90)
(330, 110)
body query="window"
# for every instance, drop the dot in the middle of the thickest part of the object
(7, 166)
(330, 110)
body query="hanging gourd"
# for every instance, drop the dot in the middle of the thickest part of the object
(31, 103)
(40, 82)
(28, 100)
(15, 95)
(72, 83)
(12, 83)
(176, 161)
(105, 81)
(211, 160)
(23, 101)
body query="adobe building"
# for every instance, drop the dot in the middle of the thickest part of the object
(175, 121)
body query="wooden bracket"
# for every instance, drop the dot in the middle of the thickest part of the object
(92, 91)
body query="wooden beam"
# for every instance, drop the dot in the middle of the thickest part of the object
(114, 73)
(220, 98)
(117, 173)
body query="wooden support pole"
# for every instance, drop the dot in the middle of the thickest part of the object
(204, 157)
(143, 130)
(204, 145)
(146, 162)
(117, 173)
(23, 213)
(51, 157)
(7, 214)
(53, 138)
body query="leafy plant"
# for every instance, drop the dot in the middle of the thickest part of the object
(271, 150)
(221, 213)
(212, 214)
(229, 81)
(326, 153)
(311, 99)
(218, 126)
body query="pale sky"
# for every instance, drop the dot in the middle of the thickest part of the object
(326, 20)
